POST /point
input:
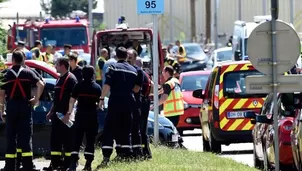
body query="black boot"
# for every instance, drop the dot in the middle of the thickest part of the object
(87, 166)
(10, 165)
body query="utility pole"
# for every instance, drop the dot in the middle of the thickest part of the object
(208, 21)
(239, 10)
(90, 18)
(193, 20)
(292, 11)
(171, 22)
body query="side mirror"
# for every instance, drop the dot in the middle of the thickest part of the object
(198, 94)
(206, 51)
(237, 56)
(250, 114)
(263, 119)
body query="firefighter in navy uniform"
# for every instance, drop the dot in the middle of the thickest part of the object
(120, 81)
(61, 134)
(75, 69)
(136, 133)
(17, 90)
(145, 106)
(19, 150)
(87, 93)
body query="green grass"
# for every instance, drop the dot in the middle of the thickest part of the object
(166, 159)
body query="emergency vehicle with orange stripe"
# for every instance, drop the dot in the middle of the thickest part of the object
(225, 103)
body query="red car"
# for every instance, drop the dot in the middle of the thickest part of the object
(190, 81)
(263, 133)
(43, 68)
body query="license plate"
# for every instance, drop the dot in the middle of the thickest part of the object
(232, 115)
(174, 138)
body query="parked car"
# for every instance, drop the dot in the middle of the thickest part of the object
(224, 103)
(296, 133)
(190, 81)
(196, 58)
(263, 132)
(221, 55)
(43, 68)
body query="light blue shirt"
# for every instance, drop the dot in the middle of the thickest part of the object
(106, 65)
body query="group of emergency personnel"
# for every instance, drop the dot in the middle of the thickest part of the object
(121, 77)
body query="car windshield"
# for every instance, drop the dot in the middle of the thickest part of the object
(224, 55)
(234, 84)
(193, 49)
(194, 82)
(75, 36)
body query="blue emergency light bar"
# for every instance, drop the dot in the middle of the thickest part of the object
(47, 20)
(77, 19)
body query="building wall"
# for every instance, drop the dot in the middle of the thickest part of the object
(227, 14)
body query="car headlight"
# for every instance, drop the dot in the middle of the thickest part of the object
(186, 106)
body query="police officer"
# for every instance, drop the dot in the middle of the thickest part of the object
(136, 133)
(120, 81)
(87, 93)
(61, 135)
(145, 92)
(17, 89)
(75, 69)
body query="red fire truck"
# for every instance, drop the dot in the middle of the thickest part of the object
(53, 32)
(111, 38)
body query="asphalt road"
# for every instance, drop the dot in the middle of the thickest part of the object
(239, 152)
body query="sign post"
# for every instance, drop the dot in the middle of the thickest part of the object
(274, 48)
(153, 7)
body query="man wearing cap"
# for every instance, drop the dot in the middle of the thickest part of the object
(67, 50)
(21, 45)
(37, 54)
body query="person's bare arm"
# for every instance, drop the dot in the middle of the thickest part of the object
(105, 91)
(71, 104)
(40, 87)
(2, 97)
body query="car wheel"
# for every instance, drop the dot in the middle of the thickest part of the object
(257, 163)
(181, 132)
(205, 145)
(215, 146)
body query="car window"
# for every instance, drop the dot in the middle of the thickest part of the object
(43, 73)
(234, 84)
(286, 106)
(194, 82)
(224, 55)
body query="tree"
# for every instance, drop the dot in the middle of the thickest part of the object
(65, 7)
(2, 1)
(3, 35)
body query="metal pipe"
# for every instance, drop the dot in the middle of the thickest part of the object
(292, 11)
(216, 7)
(264, 6)
(274, 12)
(239, 10)
(17, 28)
(155, 78)
(90, 18)
(171, 22)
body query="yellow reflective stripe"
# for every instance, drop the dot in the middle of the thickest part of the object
(19, 150)
(56, 153)
(67, 154)
(27, 154)
(11, 156)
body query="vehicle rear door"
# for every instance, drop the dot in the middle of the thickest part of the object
(233, 99)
